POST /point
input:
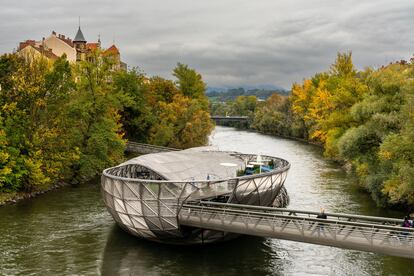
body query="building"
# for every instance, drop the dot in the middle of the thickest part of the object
(30, 49)
(145, 194)
(76, 50)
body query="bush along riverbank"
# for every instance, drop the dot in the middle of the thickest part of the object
(362, 119)
(65, 123)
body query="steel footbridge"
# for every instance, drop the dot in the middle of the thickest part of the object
(365, 233)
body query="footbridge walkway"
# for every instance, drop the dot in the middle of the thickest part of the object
(366, 233)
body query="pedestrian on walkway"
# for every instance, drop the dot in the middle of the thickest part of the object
(406, 222)
(322, 214)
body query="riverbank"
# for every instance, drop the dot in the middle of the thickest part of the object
(15, 197)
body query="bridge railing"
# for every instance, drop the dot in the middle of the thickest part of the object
(380, 235)
(242, 118)
(263, 210)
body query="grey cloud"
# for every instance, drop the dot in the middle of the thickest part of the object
(230, 42)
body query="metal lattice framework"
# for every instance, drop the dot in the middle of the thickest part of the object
(146, 205)
(374, 234)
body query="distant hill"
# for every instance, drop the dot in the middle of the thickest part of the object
(223, 95)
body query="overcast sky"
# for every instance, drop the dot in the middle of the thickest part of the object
(231, 43)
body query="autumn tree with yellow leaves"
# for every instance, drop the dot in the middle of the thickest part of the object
(363, 118)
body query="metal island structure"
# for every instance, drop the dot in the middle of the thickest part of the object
(145, 194)
(202, 195)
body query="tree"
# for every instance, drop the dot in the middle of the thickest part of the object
(138, 101)
(301, 98)
(64, 122)
(36, 150)
(322, 104)
(183, 124)
(396, 153)
(183, 119)
(274, 117)
(94, 113)
(378, 118)
(189, 82)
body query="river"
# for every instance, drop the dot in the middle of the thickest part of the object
(69, 231)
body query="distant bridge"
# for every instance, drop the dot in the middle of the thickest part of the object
(222, 119)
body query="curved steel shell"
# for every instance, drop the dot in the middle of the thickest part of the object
(147, 206)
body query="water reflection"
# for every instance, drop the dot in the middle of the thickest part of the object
(126, 255)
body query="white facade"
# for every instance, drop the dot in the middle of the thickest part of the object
(60, 47)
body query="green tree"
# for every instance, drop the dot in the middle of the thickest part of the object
(62, 122)
(274, 117)
(183, 119)
(183, 124)
(94, 113)
(377, 116)
(189, 82)
(137, 115)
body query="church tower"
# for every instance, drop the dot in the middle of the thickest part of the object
(80, 45)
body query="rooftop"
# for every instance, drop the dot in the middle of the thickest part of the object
(92, 46)
(111, 50)
(191, 164)
(46, 52)
(79, 36)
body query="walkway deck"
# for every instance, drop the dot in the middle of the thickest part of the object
(373, 234)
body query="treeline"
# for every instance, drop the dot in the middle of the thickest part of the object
(62, 122)
(232, 93)
(362, 118)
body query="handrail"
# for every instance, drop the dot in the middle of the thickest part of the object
(274, 209)
(360, 235)
(255, 214)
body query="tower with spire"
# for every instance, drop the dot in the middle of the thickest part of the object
(79, 42)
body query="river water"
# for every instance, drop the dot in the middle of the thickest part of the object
(69, 231)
